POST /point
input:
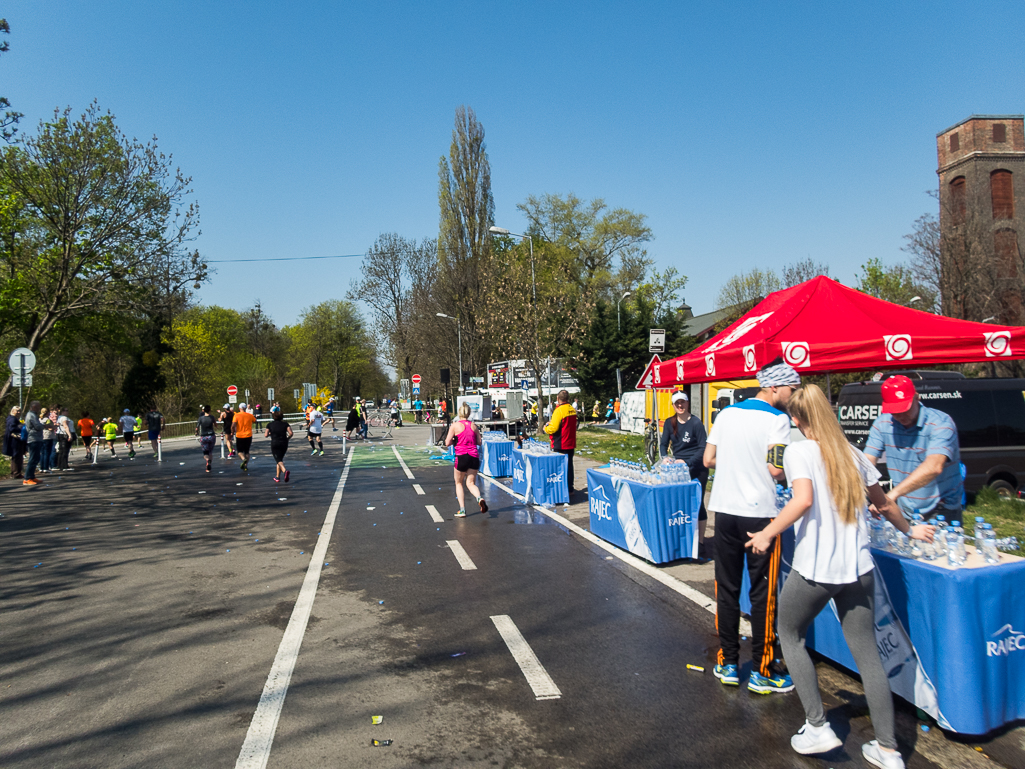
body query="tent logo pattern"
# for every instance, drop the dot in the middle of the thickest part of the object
(797, 354)
(710, 364)
(658, 374)
(898, 347)
(750, 364)
(679, 369)
(998, 344)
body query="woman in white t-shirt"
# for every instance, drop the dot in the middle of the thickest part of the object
(828, 477)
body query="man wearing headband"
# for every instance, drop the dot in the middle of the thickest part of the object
(746, 449)
(923, 454)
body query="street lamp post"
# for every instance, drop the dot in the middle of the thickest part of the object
(619, 330)
(533, 291)
(459, 332)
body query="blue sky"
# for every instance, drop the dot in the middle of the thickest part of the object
(749, 133)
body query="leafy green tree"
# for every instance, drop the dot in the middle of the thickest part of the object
(9, 119)
(96, 228)
(895, 284)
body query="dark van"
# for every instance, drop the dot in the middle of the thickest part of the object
(989, 414)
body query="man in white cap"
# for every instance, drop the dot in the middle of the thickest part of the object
(242, 429)
(746, 449)
(683, 440)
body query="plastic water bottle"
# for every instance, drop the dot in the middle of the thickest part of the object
(940, 538)
(989, 544)
(684, 473)
(956, 553)
(977, 532)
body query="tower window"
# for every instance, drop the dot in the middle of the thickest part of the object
(999, 132)
(955, 142)
(1001, 187)
(958, 206)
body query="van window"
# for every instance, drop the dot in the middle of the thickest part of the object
(972, 412)
(1010, 405)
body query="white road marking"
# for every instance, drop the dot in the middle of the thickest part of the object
(418, 490)
(672, 583)
(257, 746)
(542, 684)
(460, 554)
(405, 467)
(435, 515)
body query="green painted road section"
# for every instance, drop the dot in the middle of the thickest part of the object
(371, 456)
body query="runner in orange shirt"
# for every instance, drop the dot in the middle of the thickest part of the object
(85, 429)
(242, 428)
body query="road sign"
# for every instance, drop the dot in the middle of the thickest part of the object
(232, 399)
(657, 340)
(524, 384)
(270, 394)
(416, 389)
(295, 394)
(416, 379)
(232, 390)
(15, 360)
(18, 381)
(647, 380)
(247, 394)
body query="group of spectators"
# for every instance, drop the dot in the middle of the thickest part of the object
(42, 438)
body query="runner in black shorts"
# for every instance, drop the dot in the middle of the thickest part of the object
(227, 416)
(205, 432)
(279, 432)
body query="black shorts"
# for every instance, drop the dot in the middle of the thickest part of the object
(87, 440)
(278, 452)
(465, 463)
(242, 444)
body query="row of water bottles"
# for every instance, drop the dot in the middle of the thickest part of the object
(530, 446)
(948, 540)
(494, 435)
(662, 473)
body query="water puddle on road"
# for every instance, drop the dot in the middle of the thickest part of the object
(528, 515)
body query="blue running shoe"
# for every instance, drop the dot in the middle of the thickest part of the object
(727, 674)
(777, 683)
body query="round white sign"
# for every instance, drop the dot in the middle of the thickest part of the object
(15, 360)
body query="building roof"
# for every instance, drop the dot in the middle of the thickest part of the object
(699, 324)
(982, 117)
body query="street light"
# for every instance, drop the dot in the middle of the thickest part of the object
(619, 328)
(533, 291)
(914, 299)
(459, 331)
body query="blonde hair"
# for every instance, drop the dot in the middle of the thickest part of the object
(464, 411)
(809, 405)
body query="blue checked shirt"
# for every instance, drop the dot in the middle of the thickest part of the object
(907, 447)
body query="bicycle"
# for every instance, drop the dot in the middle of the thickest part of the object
(651, 441)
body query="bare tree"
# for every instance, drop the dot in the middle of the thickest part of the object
(798, 272)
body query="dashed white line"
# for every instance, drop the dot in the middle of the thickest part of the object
(542, 684)
(256, 748)
(460, 554)
(405, 467)
(435, 515)
(418, 490)
(672, 583)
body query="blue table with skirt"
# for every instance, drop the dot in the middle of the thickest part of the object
(497, 458)
(952, 641)
(540, 478)
(658, 523)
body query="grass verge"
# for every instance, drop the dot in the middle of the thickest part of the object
(1006, 515)
(601, 444)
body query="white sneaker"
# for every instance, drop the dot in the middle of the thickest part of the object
(884, 759)
(810, 740)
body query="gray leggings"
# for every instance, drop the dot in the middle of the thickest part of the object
(799, 604)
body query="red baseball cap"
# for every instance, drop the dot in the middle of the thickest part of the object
(898, 394)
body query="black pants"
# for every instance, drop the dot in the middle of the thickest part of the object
(63, 449)
(763, 571)
(569, 467)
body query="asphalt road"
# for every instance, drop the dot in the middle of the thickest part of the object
(144, 605)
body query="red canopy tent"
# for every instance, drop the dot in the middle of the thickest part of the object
(823, 326)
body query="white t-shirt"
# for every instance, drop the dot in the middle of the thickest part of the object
(827, 549)
(316, 421)
(742, 435)
(128, 423)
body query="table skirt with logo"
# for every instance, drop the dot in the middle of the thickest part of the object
(658, 523)
(496, 458)
(540, 478)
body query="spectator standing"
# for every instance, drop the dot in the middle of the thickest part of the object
(48, 454)
(64, 438)
(13, 446)
(418, 407)
(279, 432)
(746, 449)
(34, 439)
(562, 429)
(683, 440)
(832, 562)
(154, 426)
(922, 452)
(242, 429)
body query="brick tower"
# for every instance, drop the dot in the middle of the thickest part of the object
(982, 217)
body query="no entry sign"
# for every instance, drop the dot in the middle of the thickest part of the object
(232, 390)
(416, 379)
